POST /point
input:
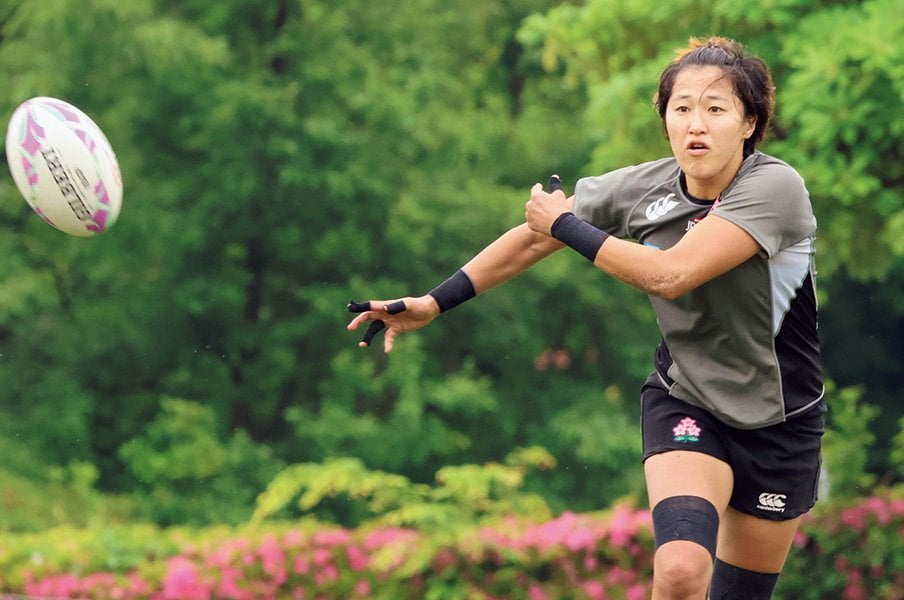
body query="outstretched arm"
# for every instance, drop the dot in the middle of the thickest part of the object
(512, 253)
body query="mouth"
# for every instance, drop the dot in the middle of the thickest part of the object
(697, 148)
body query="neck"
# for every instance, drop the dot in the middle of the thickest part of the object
(695, 193)
(710, 188)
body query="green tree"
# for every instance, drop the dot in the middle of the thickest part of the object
(280, 157)
(185, 474)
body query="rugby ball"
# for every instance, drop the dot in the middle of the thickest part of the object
(64, 166)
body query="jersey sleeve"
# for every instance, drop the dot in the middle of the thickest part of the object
(772, 204)
(595, 201)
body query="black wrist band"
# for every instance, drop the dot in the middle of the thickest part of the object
(453, 291)
(580, 235)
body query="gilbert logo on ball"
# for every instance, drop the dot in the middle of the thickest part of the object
(64, 166)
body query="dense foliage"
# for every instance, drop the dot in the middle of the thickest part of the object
(851, 551)
(280, 157)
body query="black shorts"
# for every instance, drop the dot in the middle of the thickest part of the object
(776, 468)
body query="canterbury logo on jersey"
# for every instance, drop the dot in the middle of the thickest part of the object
(773, 502)
(661, 206)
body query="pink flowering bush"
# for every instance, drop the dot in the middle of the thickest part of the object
(854, 552)
(579, 556)
(851, 552)
(572, 556)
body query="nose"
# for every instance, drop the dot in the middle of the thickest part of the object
(697, 123)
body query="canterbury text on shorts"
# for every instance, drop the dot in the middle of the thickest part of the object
(776, 468)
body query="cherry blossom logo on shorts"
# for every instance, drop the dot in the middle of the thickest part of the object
(686, 430)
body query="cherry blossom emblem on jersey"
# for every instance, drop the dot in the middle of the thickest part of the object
(686, 430)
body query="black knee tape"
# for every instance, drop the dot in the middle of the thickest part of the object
(688, 518)
(734, 583)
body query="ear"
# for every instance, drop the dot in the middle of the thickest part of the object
(751, 126)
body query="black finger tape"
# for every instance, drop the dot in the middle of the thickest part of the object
(374, 328)
(357, 307)
(396, 307)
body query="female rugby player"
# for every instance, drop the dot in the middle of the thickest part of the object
(721, 238)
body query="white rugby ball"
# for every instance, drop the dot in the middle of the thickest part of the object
(64, 166)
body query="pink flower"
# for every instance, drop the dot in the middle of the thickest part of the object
(98, 581)
(327, 574)
(687, 427)
(293, 538)
(321, 557)
(879, 508)
(301, 564)
(181, 581)
(644, 518)
(273, 560)
(362, 588)
(594, 590)
(138, 586)
(357, 558)
(622, 527)
(219, 557)
(59, 585)
(579, 538)
(636, 592)
(388, 535)
(228, 586)
(618, 576)
(535, 592)
(854, 591)
(333, 537)
(854, 518)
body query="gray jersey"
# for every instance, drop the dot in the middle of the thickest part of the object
(743, 345)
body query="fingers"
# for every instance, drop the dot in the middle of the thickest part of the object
(376, 325)
(553, 185)
(357, 307)
(389, 340)
(392, 308)
(396, 307)
(372, 330)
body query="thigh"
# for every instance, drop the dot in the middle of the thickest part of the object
(685, 452)
(688, 473)
(753, 543)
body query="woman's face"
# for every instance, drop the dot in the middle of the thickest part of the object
(707, 127)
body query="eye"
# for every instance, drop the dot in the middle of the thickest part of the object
(716, 109)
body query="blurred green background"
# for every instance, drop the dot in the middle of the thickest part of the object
(283, 156)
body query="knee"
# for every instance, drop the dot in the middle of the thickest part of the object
(685, 530)
(681, 570)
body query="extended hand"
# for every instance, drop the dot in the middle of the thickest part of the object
(397, 316)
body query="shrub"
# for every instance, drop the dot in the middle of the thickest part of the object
(579, 556)
(852, 551)
(185, 474)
